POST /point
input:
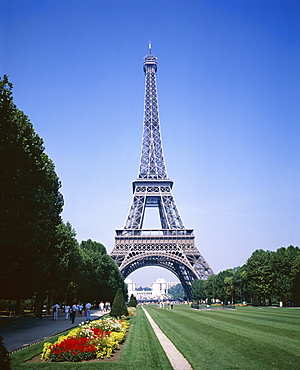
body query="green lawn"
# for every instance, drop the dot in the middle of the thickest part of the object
(244, 338)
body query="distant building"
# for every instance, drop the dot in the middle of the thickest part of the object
(159, 290)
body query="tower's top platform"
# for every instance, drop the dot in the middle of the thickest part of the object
(150, 60)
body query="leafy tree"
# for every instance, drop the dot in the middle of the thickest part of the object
(286, 264)
(30, 202)
(261, 275)
(94, 248)
(221, 291)
(92, 282)
(240, 284)
(112, 278)
(235, 284)
(176, 292)
(210, 291)
(67, 265)
(102, 275)
(229, 287)
(198, 290)
(267, 276)
(119, 308)
(296, 280)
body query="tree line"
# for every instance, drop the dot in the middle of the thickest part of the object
(40, 255)
(267, 277)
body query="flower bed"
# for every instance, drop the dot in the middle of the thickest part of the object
(90, 341)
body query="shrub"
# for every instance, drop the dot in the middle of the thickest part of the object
(132, 301)
(119, 308)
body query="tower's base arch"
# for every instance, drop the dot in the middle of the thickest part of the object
(173, 250)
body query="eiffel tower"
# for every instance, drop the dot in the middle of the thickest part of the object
(173, 246)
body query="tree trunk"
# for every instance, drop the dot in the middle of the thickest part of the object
(18, 306)
(49, 301)
(38, 306)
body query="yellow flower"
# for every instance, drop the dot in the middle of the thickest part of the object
(46, 351)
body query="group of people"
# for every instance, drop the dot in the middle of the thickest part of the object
(72, 311)
(104, 307)
(161, 304)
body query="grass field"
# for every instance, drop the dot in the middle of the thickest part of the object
(244, 338)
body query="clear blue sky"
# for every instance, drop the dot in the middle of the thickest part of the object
(228, 86)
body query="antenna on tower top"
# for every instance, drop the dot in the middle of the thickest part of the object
(149, 46)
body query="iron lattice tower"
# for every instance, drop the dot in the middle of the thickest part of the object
(173, 246)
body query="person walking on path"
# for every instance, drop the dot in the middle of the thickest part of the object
(55, 309)
(67, 311)
(80, 308)
(73, 312)
(101, 306)
(88, 311)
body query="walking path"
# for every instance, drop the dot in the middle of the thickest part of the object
(176, 358)
(18, 332)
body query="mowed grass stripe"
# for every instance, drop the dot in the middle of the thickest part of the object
(287, 316)
(265, 323)
(225, 320)
(205, 341)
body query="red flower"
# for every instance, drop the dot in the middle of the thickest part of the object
(78, 348)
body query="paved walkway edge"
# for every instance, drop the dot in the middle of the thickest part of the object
(53, 332)
(176, 358)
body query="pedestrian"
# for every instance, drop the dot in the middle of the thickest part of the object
(88, 311)
(101, 306)
(70, 313)
(55, 309)
(67, 311)
(80, 308)
(73, 313)
(10, 308)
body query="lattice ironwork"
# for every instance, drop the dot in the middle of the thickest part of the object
(152, 164)
(173, 246)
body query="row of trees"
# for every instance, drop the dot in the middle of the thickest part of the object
(267, 277)
(40, 255)
(83, 271)
(177, 292)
